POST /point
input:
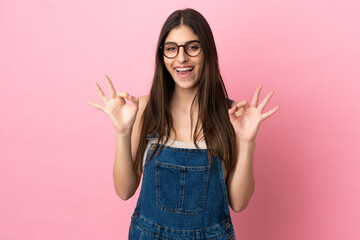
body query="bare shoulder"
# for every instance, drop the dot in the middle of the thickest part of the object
(143, 100)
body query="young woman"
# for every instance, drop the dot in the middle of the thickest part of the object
(192, 145)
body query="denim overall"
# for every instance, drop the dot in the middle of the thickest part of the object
(181, 197)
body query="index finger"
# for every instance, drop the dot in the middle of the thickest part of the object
(255, 99)
(110, 87)
(100, 92)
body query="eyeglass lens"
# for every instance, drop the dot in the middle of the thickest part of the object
(192, 49)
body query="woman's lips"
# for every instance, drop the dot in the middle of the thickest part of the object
(184, 72)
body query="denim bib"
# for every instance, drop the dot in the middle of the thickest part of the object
(181, 197)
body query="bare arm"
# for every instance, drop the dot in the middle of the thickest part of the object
(125, 117)
(240, 181)
(126, 181)
(125, 178)
(246, 121)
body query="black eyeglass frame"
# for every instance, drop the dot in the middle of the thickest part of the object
(178, 48)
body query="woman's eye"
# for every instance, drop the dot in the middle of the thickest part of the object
(170, 49)
(193, 47)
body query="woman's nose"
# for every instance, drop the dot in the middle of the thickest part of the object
(182, 56)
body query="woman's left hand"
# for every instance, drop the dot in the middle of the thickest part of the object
(246, 125)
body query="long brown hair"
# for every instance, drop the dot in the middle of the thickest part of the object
(212, 96)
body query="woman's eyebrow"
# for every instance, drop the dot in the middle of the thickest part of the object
(180, 44)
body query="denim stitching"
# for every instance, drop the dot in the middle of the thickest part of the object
(186, 168)
(181, 149)
(218, 170)
(144, 231)
(222, 234)
(223, 184)
(182, 188)
(176, 230)
(180, 210)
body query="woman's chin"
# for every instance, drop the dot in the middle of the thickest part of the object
(191, 84)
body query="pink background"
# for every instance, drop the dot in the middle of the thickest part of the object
(57, 152)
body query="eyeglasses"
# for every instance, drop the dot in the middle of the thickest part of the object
(171, 49)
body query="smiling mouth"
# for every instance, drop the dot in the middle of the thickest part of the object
(185, 71)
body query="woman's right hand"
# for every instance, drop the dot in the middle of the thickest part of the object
(121, 114)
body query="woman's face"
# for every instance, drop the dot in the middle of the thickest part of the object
(185, 70)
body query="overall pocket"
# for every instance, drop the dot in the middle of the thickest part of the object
(181, 189)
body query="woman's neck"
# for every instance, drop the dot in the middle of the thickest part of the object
(182, 99)
(184, 116)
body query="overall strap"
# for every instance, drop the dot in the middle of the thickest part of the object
(230, 102)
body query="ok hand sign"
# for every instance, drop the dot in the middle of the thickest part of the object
(247, 125)
(122, 114)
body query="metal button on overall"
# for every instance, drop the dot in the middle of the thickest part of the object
(227, 225)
